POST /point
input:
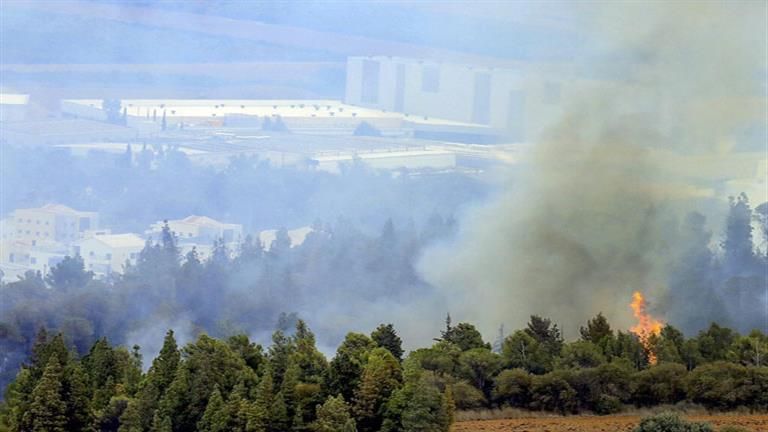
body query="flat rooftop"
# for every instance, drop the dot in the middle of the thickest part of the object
(285, 108)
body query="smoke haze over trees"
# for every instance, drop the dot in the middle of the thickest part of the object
(627, 189)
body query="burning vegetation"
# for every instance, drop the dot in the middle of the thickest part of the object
(647, 326)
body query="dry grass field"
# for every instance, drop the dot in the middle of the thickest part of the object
(614, 423)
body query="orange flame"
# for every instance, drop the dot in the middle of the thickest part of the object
(646, 324)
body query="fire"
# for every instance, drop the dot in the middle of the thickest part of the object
(646, 324)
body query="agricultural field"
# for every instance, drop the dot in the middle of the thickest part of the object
(615, 423)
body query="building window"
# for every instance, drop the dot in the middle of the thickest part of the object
(91, 253)
(37, 221)
(33, 260)
(133, 255)
(109, 256)
(430, 79)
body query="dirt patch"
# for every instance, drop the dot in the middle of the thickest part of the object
(617, 423)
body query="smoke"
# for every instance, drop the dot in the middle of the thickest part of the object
(150, 336)
(591, 217)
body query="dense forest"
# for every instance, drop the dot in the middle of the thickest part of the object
(236, 385)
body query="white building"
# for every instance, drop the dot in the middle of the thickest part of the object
(199, 229)
(40, 256)
(107, 254)
(51, 222)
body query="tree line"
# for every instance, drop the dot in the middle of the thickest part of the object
(234, 384)
(227, 385)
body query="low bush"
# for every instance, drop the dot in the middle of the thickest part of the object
(670, 422)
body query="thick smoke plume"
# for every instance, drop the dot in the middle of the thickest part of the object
(590, 218)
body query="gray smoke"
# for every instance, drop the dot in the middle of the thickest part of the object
(589, 219)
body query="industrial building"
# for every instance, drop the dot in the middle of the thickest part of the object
(511, 101)
(314, 117)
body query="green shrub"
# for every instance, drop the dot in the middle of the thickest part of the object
(670, 422)
(513, 388)
(551, 392)
(607, 404)
(720, 385)
(466, 396)
(660, 384)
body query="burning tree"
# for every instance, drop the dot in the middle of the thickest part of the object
(647, 326)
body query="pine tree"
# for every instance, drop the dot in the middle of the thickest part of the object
(164, 367)
(130, 420)
(256, 417)
(162, 423)
(18, 397)
(311, 362)
(346, 368)
(48, 410)
(45, 349)
(101, 365)
(381, 377)
(385, 336)
(259, 412)
(175, 404)
(69, 274)
(215, 416)
(597, 328)
(288, 388)
(278, 415)
(77, 397)
(333, 416)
